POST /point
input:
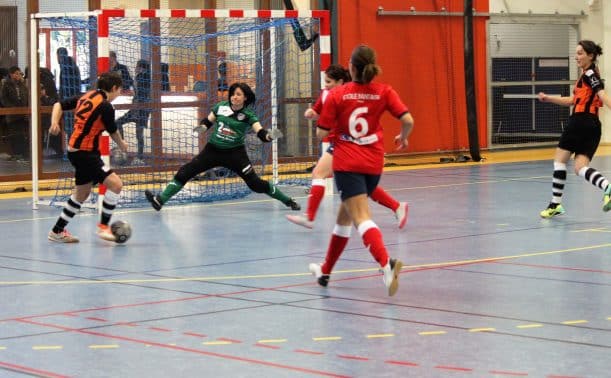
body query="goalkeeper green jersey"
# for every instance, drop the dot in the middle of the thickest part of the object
(231, 126)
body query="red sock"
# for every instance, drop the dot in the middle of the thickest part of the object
(372, 238)
(336, 247)
(383, 198)
(317, 192)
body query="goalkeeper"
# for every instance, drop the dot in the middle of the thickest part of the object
(225, 148)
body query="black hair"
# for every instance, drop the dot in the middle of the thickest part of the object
(108, 80)
(591, 48)
(249, 95)
(363, 60)
(337, 72)
(13, 69)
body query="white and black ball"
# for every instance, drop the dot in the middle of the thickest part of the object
(121, 230)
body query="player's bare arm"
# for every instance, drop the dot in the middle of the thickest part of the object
(558, 100)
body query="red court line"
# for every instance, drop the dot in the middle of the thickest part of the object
(160, 329)
(184, 349)
(28, 370)
(308, 352)
(454, 368)
(348, 357)
(166, 301)
(194, 334)
(556, 267)
(96, 319)
(267, 346)
(403, 363)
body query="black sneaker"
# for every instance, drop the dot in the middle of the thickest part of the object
(153, 199)
(292, 204)
(322, 279)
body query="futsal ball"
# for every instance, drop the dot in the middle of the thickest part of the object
(121, 230)
(118, 157)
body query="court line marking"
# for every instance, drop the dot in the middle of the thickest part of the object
(277, 275)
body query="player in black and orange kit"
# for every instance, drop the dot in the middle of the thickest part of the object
(582, 135)
(93, 114)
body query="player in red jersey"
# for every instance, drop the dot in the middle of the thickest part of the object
(352, 112)
(336, 75)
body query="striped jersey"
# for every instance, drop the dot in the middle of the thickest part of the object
(93, 114)
(585, 99)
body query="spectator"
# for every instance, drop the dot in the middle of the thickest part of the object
(115, 66)
(69, 75)
(14, 93)
(139, 116)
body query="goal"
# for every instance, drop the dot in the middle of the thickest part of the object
(181, 62)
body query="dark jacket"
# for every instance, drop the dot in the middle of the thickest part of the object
(14, 94)
(69, 78)
(125, 76)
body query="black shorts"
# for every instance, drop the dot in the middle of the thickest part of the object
(88, 167)
(350, 184)
(582, 135)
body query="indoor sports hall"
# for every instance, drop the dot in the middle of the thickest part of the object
(489, 289)
(218, 282)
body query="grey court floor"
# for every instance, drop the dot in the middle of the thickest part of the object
(489, 289)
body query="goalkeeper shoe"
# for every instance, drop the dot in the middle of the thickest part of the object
(316, 270)
(153, 199)
(105, 233)
(552, 210)
(62, 237)
(607, 199)
(292, 204)
(301, 220)
(391, 275)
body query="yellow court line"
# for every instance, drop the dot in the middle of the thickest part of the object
(104, 346)
(432, 333)
(530, 326)
(482, 330)
(329, 338)
(380, 335)
(2, 348)
(47, 347)
(277, 275)
(272, 341)
(569, 322)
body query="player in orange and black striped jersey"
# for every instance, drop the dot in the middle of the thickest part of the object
(93, 114)
(582, 135)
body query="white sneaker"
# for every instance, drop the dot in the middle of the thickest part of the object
(391, 275)
(301, 220)
(138, 161)
(62, 237)
(316, 270)
(105, 233)
(401, 214)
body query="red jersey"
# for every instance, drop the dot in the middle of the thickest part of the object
(318, 109)
(353, 112)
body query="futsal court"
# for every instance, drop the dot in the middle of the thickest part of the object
(489, 289)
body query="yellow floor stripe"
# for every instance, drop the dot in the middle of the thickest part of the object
(431, 333)
(263, 276)
(2, 348)
(216, 342)
(530, 326)
(482, 330)
(380, 335)
(569, 322)
(47, 347)
(329, 338)
(272, 341)
(104, 346)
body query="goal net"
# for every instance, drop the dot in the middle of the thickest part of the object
(176, 64)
